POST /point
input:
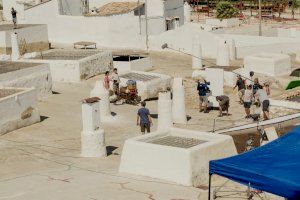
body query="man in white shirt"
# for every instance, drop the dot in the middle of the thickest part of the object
(264, 101)
(116, 81)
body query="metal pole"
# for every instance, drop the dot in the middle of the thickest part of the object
(209, 185)
(146, 18)
(260, 19)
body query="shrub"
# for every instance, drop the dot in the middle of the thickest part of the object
(226, 10)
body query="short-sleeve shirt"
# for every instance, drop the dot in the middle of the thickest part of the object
(144, 115)
(202, 89)
(248, 96)
(262, 95)
(240, 83)
(14, 14)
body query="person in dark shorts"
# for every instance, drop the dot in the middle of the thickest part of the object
(144, 119)
(264, 101)
(248, 97)
(116, 81)
(223, 104)
(203, 89)
(241, 85)
(14, 17)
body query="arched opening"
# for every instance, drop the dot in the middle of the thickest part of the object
(296, 73)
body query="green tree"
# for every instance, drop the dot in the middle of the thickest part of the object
(225, 10)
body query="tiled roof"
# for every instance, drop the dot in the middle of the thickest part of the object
(117, 8)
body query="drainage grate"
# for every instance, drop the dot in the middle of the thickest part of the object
(139, 77)
(174, 141)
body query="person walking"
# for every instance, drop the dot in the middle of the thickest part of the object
(248, 97)
(203, 89)
(262, 95)
(241, 85)
(144, 119)
(14, 17)
(116, 81)
(106, 81)
(223, 104)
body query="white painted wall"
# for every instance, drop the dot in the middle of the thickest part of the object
(12, 108)
(165, 162)
(38, 77)
(174, 8)
(77, 70)
(31, 34)
(119, 30)
(70, 7)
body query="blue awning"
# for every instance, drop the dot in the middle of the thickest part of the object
(274, 167)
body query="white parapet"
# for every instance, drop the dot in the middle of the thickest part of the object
(105, 111)
(187, 12)
(28, 75)
(223, 55)
(18, 108)
(178, 106)
(216, 78)
(90, 116)
(92, 138)
(15, 55)
(181, 156)
(165, 121)
(232, 49)
(93, 143)
(269, 64)
(148, 84)
(74, 65)
(197, 54)
(223, 23)
(128, 63)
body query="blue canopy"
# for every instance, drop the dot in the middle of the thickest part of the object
(274, 167)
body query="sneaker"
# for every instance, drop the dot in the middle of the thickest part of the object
(206, 111)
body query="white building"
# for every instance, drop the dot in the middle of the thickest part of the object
(112, 24)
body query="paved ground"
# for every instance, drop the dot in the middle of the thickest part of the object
(43, 161)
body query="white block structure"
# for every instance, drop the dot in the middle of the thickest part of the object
(129, 63)
(187, 12)
(74, 65)
(15, 51)
(35, 36)
(178, 105)
(269, 64)
(223, 55)
(232, 49)
(223, 23)
(18, 108)
(105, 111)
(166, 155)
(216, 78)
(148, 84)
(92, 137)
(197, 54)
(165, 120)
(28, 75)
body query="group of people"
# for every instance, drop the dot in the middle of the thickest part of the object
(253, 94)
(114, 78)
(250, 92)
(143, 115)
(204, 91)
